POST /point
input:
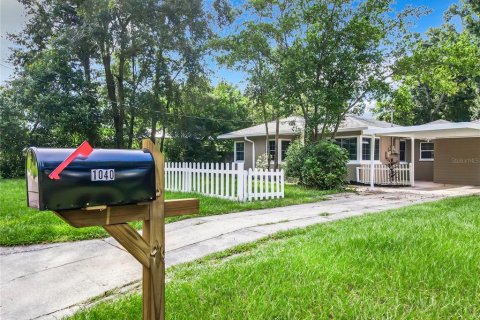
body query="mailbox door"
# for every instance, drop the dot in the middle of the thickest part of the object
(106, 177)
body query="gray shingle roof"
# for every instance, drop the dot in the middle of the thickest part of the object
(352, 122)
(437, 122)
(288, 126)
(294, 126)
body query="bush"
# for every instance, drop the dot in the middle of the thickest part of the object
(321, 164)
(262, 162)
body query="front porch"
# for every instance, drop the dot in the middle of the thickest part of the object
(447, 153)
(386, 175)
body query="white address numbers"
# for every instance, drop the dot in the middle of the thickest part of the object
(102, 174)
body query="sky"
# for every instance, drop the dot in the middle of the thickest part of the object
(12, 20)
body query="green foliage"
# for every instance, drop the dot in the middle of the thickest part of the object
(440, 79)
(321, 164)
(49, 104)
(325, 58)
(294, 160)
(112, 72)
(13, 137)
(202, 114)
(469, 13)
(417, 262)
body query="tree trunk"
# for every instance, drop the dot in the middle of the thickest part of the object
(337, 125)
(265, 120)
(153, 133)
(130, 128)
(437, 107)
(277, 147)
(306, 122)
(86, 68)
(324, 128)
(112, 96)
(92, 132)
(162, 140)
(121, 95)
(132, 106)
(157, 104)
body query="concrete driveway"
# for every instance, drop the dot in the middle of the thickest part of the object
(51, 281)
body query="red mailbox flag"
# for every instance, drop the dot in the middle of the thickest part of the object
(85, 149)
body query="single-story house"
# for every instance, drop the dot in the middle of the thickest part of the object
(442, 151)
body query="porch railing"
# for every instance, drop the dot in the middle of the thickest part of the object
(399, 175)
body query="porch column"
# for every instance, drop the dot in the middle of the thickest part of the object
(372, 161)
(412, 162)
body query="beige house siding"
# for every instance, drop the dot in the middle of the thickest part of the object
(260, 147)
(423, 169)
(457, 161)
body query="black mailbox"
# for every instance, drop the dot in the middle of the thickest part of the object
(105, 177)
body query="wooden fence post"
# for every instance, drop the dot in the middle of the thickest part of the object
(154, 235)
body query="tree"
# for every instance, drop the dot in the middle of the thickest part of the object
(135, 46)
(469, 13)
(440, 79)
(48, 105)
(202, 114)
(343, 58)
(325, 57)
(261, 48)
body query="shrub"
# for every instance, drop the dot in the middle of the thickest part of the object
(293, 162)
(321, 164)
(262, 162)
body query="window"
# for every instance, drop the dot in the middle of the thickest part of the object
(366, 149)
(427, 151)
(403, 148)
(239, 151)
(271, 150)
(285, 145)
(350, 144)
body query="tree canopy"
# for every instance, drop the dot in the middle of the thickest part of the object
(323, 59)
(440, 77)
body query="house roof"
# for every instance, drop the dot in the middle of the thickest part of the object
(288, 126)
(437, 122)
(433, 130)
(355, 122)
(294, 126)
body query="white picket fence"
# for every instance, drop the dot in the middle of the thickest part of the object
(401, 177)
(224, 180)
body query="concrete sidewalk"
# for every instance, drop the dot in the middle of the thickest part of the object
(51, 281)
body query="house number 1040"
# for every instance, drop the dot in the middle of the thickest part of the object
(102, 174)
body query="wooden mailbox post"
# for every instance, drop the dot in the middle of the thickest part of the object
(148, 248)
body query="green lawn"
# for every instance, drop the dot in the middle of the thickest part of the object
(22, 225)
(418, 262)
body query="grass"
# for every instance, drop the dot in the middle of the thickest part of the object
(418, 262)
(20, 225)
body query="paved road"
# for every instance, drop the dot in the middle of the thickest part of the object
(51, 281)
